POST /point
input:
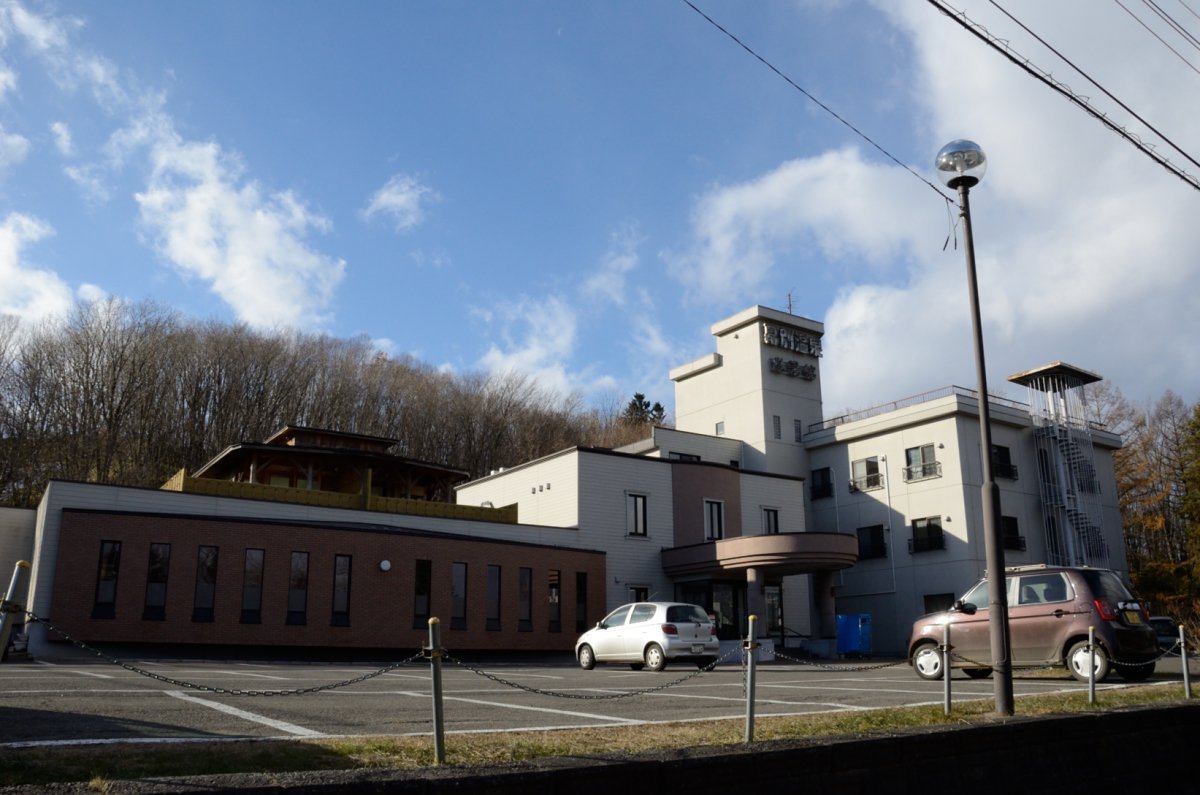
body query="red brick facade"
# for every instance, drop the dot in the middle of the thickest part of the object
(381, 611)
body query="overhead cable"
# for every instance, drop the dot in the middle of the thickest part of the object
(1155, 35)
(1004, 49)
(818, 102)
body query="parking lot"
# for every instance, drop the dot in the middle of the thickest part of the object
(94, 701)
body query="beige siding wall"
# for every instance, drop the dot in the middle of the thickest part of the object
(546, 491)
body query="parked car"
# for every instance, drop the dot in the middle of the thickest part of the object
(648, 635)
(1167, 631)
(1050, 609)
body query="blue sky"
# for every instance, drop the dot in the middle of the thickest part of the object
(578, 190)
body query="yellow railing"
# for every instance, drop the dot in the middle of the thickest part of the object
(330, 499)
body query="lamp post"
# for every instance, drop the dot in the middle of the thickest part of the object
(960, 165)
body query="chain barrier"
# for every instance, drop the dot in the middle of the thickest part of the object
(840, 667)
(228, 691)
(591, 696)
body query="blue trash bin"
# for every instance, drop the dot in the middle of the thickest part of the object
(854, 633)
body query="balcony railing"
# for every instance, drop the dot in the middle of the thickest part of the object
(923, 471)
(867, 482)
(926, 543)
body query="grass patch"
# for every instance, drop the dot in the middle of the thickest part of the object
(102, 765)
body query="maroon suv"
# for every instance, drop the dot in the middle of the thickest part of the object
(1050, 609)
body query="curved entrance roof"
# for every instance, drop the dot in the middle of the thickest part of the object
(777, 555)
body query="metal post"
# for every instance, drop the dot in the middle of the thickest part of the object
(1091, 665)
(751, 660)
(946, 668)
(12, 611)
(435, 662)
(1183, 658)
(990, 492)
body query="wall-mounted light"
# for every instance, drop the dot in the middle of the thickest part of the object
(385, 565)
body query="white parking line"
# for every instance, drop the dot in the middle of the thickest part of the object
(521, 707)
(283, 726)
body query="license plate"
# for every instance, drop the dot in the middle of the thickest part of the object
(697, 648)
(1133, 618)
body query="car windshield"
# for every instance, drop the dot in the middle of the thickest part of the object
(681, 613)
(977, 596)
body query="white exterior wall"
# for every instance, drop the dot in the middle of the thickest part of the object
(17, 528)
(632, 560)
(546, 491)
(719, 450)
(783, 494)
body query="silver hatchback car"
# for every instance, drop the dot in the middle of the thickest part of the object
(648, 634)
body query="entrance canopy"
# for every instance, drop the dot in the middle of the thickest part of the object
(779, 555)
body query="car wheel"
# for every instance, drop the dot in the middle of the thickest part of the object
(927, 661)
(587, 658)
(978, 673)
(655, 659)
(1136, 673)
(1077, 661)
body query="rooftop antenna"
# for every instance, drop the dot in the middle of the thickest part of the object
(789, 297)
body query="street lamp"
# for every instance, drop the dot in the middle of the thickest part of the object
(960, 165)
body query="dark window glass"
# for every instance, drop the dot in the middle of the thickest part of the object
(865, 474)
(921, 463)
(458, 596)
(822, 483)
(770, 521)
(105, 603)
(581, 601)
(635, 519)
(714, 520)
(554, 599)
(297, 602)
(206, 584)
(422, 584)
(927, 535)
(1010, 533)
(341, 591)
(871, 543)
(1002, 465)
(155, 608)
(493, 597)
(252, 581)
(525, 600)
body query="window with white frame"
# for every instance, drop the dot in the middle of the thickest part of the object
(770, 521)
(714, 520)
(635, 514)
(921, 463)
(865, 474)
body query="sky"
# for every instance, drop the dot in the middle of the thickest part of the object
(578, 189)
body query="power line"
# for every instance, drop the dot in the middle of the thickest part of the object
(1004, 49)
(1088, 77)
(1160, 38)
(818, 102)
(1170, 20)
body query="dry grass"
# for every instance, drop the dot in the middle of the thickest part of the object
(101, 765)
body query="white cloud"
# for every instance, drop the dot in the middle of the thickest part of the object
(13, 149)
(29, 293)
(1086, 249)
(8, 81)
(608, 280)
(741, 231)
(249, 247)
(62, 138)
(402, 200)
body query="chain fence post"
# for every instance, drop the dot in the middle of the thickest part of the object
(435, 663)
(751, 660)
(1183, 658)
(1091, 665)
(946, 668)
(13, 607)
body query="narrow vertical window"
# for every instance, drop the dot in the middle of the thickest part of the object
(776, 427)
(635, 514)
(422, 583)
(493, 597)
(581, 601)
(798, 430)
(770, 520)
(297, 601)
(714, 520)
(155, 608)
(105, 604)
(341, 591)
(458, 596)
(554, 600)
(206, 584)
(252, 581)
(525, 600)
